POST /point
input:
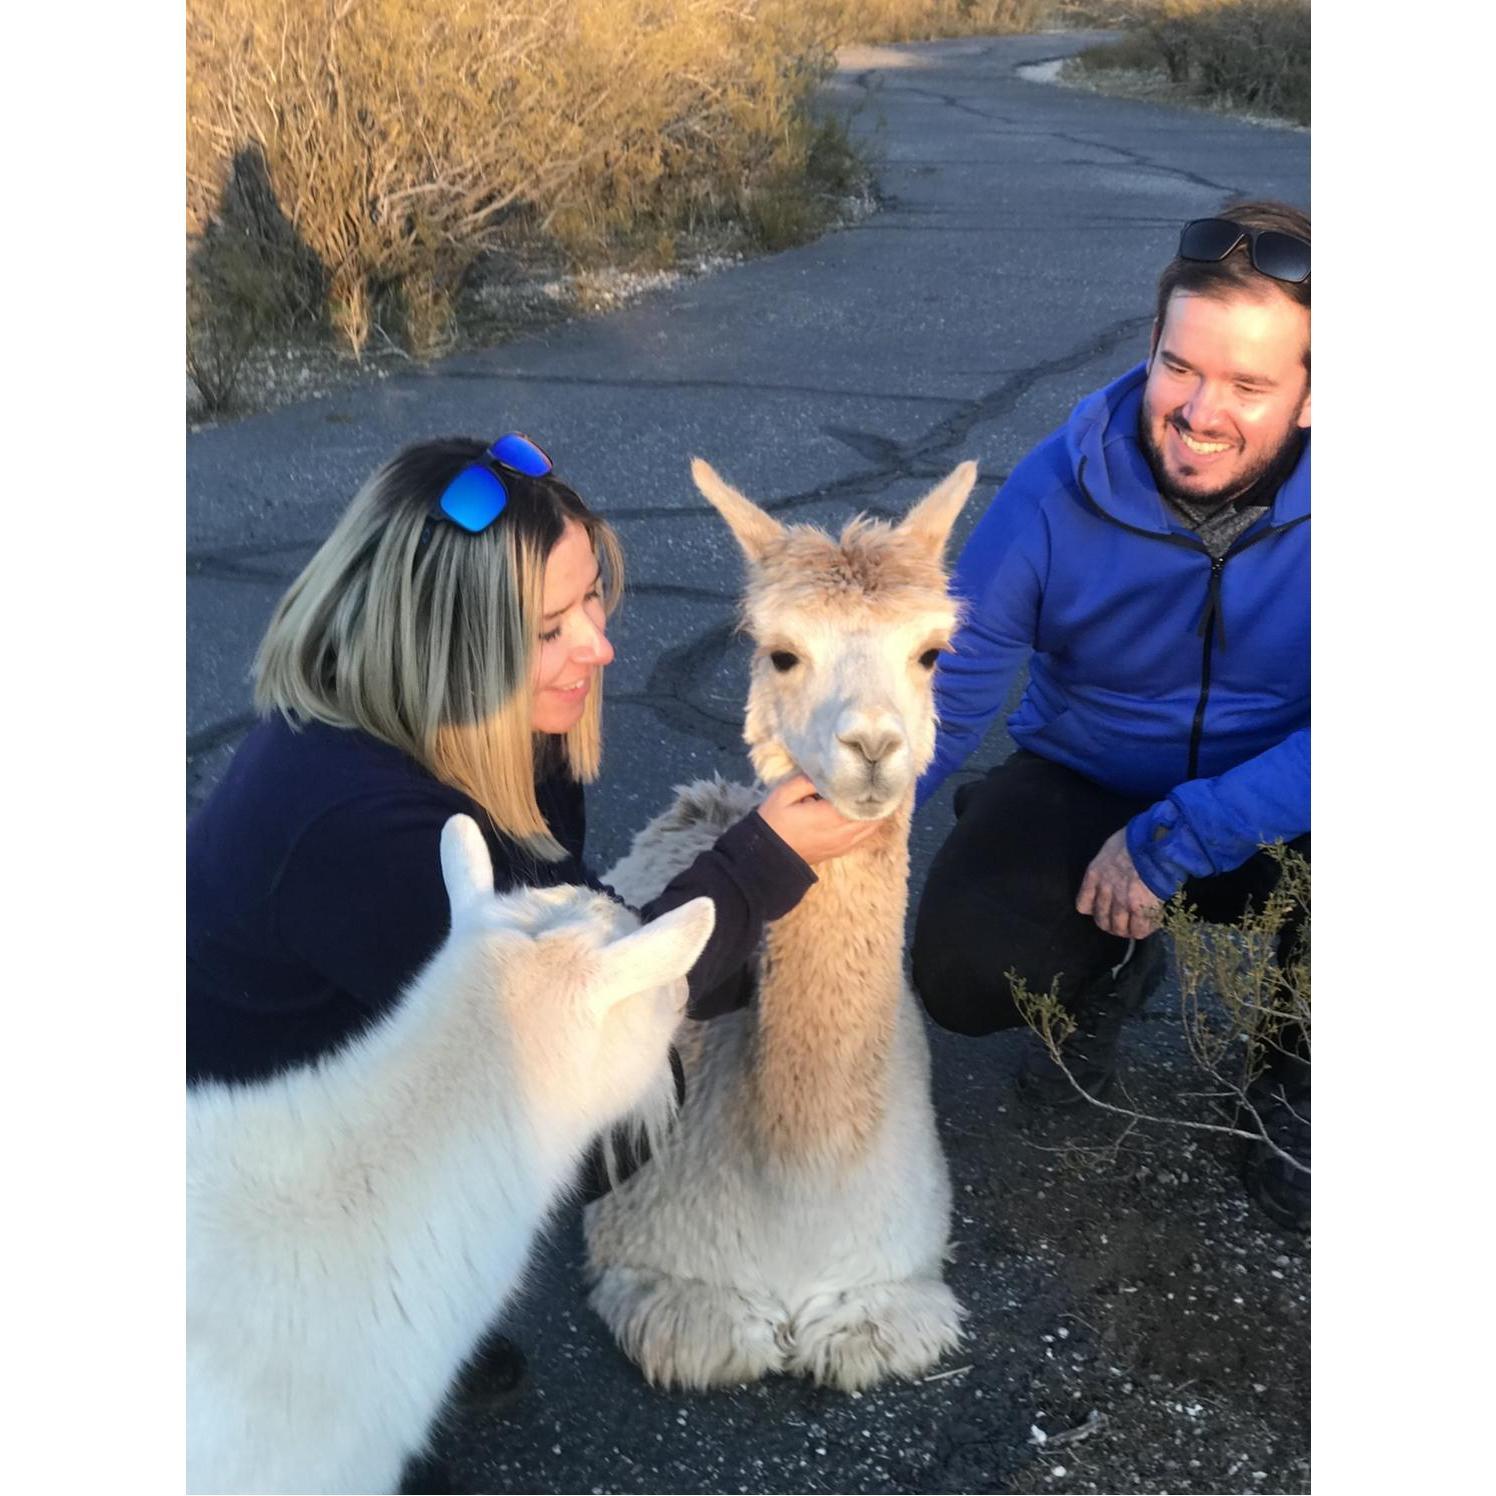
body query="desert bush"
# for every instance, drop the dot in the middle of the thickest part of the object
(401, 140)
(919, 20)
(1247, 54)
(1237, 1004)
(402, 137)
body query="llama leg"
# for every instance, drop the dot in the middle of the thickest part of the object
(860, 1336)
(682, 1332)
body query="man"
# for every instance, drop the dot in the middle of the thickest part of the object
(1149, 562)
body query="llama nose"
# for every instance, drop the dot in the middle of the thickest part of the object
(872, 742)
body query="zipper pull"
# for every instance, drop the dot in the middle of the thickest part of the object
(1213, 614)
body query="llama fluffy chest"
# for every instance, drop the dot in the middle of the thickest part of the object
(714, 1206)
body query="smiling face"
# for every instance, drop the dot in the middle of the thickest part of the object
(1227, 392)
(574, 644)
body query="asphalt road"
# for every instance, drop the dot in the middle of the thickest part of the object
(1008, 271)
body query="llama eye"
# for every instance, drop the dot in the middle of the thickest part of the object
(928, 658)
(782, 660)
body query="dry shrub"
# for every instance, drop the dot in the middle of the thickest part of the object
(1246, 54)
(1238, 1005)
(403, 137)
(919, 20)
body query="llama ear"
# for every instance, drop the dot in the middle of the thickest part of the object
(666, 948)
(755, 530)
(931, 519)
(467, 869)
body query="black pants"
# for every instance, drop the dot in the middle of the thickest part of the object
(1001, 894)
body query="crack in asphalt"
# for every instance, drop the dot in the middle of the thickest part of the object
(206, 739)
(674, 684)
(583, 381)
(675, 680)
(1139, 159)
(234, 563)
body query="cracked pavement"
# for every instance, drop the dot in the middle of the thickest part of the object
(1008, 271)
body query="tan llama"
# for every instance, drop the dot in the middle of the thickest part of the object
(797, 1221)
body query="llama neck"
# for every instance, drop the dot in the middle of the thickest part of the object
(830, 984)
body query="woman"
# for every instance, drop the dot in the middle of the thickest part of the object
(442, 653)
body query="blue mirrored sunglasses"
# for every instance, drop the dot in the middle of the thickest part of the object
(476, 497)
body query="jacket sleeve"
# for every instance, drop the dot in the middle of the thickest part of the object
(1208, 826)
(752, 876)
(997, 583)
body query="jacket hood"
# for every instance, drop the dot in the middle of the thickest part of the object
(1101, 439)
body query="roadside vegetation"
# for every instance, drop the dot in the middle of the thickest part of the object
(395, 177)
(355, 166)
(1237, 1007)
(1248, 56)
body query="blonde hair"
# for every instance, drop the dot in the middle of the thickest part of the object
(424, 635)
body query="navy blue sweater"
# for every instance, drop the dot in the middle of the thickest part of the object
(314, 894)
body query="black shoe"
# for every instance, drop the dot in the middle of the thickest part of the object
(493, 1378)
(1274, 1183)
(1090, 1053)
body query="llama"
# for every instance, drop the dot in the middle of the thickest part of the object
(798, 1218)
(353, 1228)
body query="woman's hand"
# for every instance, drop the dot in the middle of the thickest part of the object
(811, 826)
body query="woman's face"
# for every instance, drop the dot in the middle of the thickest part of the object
(573, 644)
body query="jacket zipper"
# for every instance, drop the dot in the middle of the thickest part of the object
(1212, 618)
(1209, 621)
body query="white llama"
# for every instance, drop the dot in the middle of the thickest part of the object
(353, 1228)
(798, 1219)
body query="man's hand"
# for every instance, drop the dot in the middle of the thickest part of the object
(1113, 894)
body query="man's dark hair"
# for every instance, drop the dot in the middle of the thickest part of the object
(1235, 274)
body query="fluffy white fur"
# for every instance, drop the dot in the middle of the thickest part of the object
(798, 1219)
(353, 1228)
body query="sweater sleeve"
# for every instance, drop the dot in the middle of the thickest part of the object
(1208, 826)
(997, 582)
(752, 876)
(361, 898)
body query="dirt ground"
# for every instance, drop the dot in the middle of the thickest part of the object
(1134, 1324)
(1178, 1354)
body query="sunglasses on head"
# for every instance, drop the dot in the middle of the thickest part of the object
(476, 497)
(1284, 257)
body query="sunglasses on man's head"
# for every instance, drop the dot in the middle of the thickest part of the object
(476, 497)
(1284, 257)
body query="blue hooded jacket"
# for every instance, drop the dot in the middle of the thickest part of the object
(1153, 669)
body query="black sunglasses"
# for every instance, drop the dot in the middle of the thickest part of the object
(1284, 257)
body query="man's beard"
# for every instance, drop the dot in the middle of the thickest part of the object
(1268, 472)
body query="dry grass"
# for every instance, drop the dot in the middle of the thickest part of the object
(1249, 55)
(349, 161)
(1238, 1004)
(400, 137)
(922, 20)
